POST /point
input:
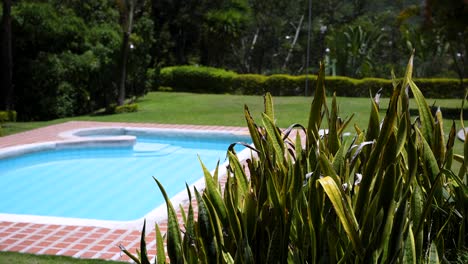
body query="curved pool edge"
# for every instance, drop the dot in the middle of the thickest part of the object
(120, 136)
(10, 152)
(116, 133)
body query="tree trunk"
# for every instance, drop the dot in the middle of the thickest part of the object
(296, 36)
(125, 50)
(251, 50)
(7, 58)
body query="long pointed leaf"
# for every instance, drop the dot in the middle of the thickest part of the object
(160, 253)
(268, 102)
(214, 194)
(174, 239)
(427, 122)
(346, 217)
(274, 137)
(315, 115)
(143, 253)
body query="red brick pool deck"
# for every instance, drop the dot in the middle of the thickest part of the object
(79, 241)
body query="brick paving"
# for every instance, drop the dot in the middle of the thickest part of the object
(80, 241)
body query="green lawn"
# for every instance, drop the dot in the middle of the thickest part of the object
(227, 110)
(208, 109)
(18, 258)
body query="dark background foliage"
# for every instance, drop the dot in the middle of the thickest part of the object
(68, 55)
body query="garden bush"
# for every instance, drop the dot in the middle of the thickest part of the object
(212, 80)
(197, 79)
(7, 116)
(442, 87)
(387, 194)
(4, 117)
(282, 84)
(165, 76)
(126, 108)
(342, 86)
(252, 84)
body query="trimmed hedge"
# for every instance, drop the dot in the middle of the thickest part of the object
(201, 79)
(197, 79)
(282, 84)
(249, 84)
(7, 116)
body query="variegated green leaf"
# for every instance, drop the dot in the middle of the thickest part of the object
(373, 161)
(333, 137)
(433, 255)
(130, 255)
(409, 252)
(160, 253)
(214, 194)
(438, 147)
(228, 258)
(143, 253)
(239, 174)
(174, 239)
(315, 115)
(274, 137)
(373, 128)
(268, 103)
(425, 116)
(205, 224)
(216, 224)
(450, 145)
(417, 204)
(346, 216)
(402, 134)
(252, 129)
(432, 168)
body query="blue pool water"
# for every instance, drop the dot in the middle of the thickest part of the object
(105, 183)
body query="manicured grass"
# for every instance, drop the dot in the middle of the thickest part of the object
(227, 110)
(186, 108)
(18, 258)
(210, 109)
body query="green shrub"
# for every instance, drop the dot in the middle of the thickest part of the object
(7, 116)
(282, 84)
(387, 195)
(212, 80)
(165, 89)
(166, 77)
(127, 108)
(152, 81)
(252, 84)
(442, 88)
(12, 116)
(343, 86)
(369, 86)
(197, 79)
(4, 116)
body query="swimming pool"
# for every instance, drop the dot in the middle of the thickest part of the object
(105, 175)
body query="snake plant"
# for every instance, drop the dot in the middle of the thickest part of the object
(382, 194)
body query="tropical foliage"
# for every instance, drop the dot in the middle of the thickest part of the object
(81, 56)
(386, 194)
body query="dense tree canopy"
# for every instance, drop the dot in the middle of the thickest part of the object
(78, 56)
